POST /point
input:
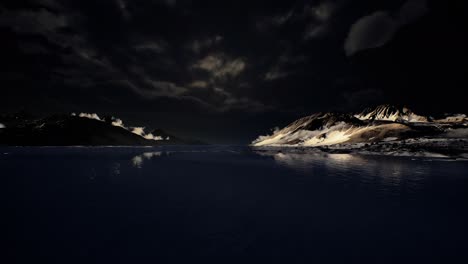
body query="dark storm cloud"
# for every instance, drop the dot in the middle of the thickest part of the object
(98, 53)
(153, 61)
(156, 64)
(378, 28)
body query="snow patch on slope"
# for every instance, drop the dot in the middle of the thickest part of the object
(390, 113)
(119, 123)
(331, 138)
(336, 134)
(90, 116)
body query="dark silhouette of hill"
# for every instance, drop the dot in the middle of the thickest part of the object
(23, 129)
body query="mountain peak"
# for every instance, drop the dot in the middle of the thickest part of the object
(388, 112)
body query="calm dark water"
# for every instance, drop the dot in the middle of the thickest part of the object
(230, 205)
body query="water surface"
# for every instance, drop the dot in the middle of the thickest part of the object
(226, 204)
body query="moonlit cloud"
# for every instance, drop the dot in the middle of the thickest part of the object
(377, 29)
(2, 125)
(275, 74)
(231, 68)
(209, 63)
(321, 15)
(323, 11)
(199, 84)
(316, 17)
(221, 66)
(370, 32)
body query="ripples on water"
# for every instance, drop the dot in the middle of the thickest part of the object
(231, 204)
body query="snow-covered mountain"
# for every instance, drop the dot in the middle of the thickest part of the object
(328, 129)
(82, 129)
(384, 123)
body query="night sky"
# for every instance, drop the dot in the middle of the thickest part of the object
(228, 71)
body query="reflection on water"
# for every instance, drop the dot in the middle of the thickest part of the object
(389, 171)
(308, 160)
(177, 204)
(138, 160)
(384, 172)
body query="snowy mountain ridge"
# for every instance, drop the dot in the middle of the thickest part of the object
(385, 123)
